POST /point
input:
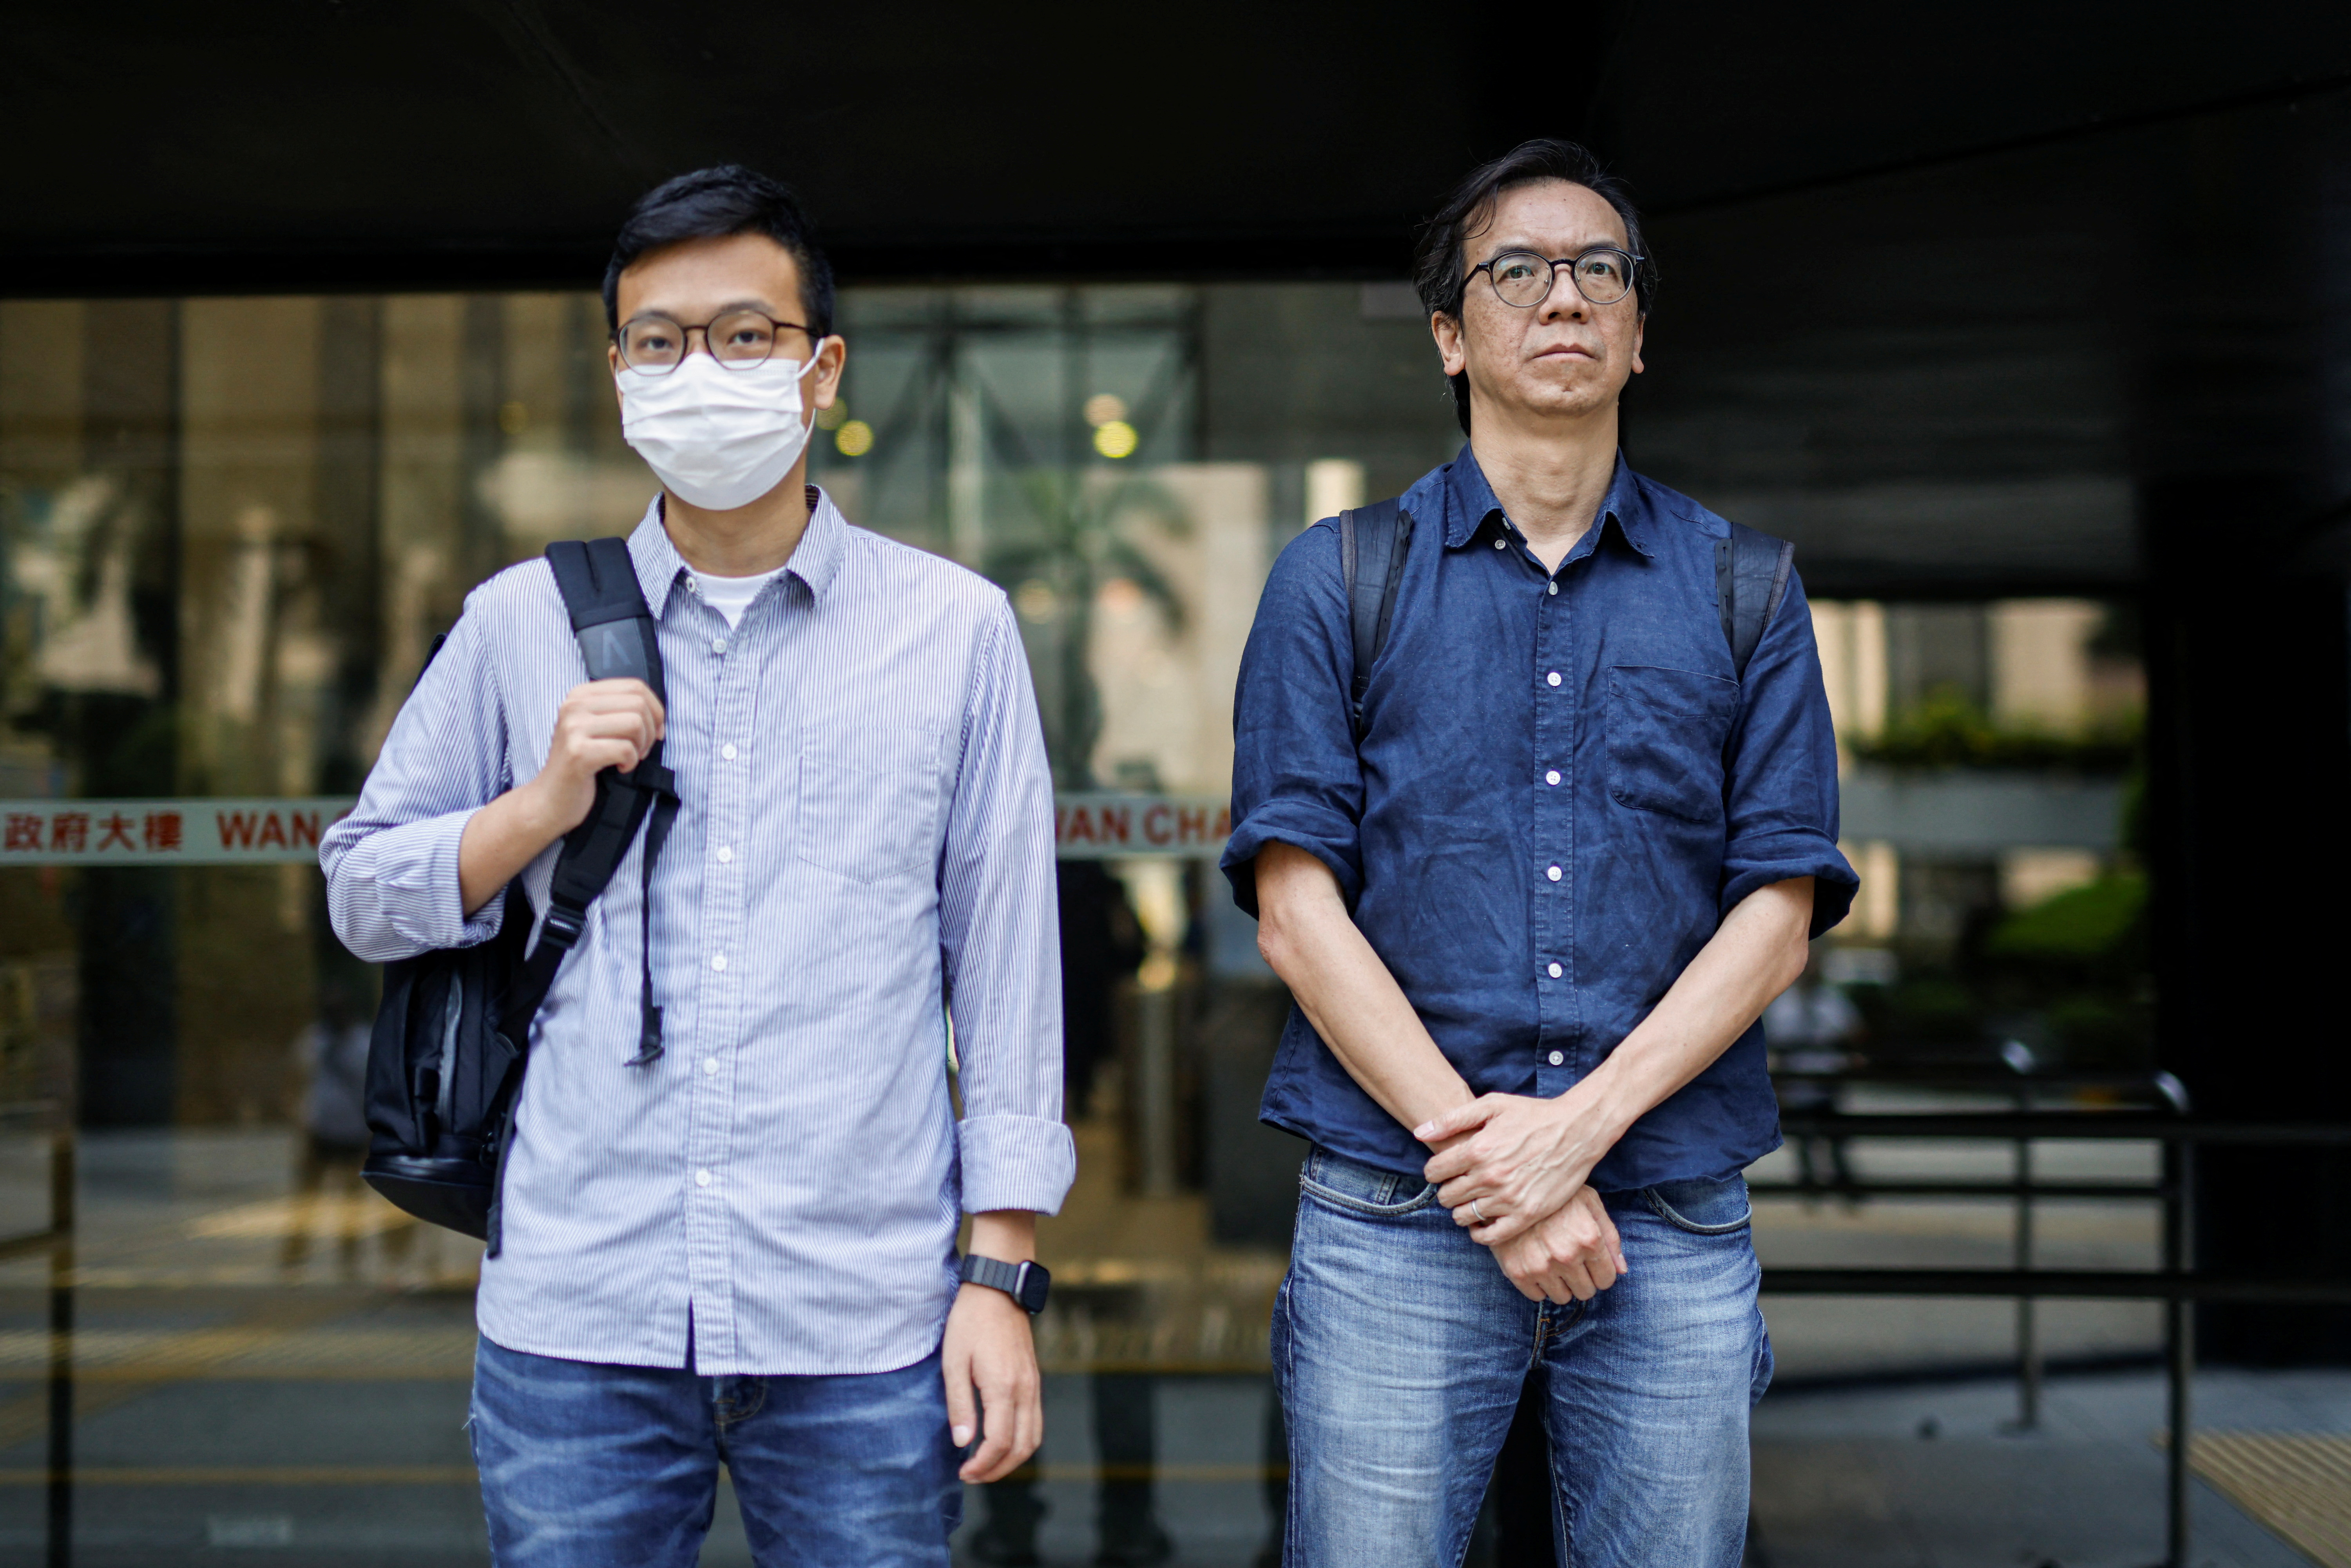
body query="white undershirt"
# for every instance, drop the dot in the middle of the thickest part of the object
(730, 596)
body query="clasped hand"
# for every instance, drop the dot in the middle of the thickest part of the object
(1512, 1168)
(602, 723)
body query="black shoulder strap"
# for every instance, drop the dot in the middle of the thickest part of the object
(609, 615)
(1751, 578)
(617, 640)
(1371, 544)
(598, 579)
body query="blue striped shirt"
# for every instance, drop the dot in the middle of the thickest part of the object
(866, 838)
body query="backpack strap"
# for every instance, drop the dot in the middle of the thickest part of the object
(1751, 578)
(598, 579)
(1371, 544)
(617, 641)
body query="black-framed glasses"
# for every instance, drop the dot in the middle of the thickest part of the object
(737, 340)
(1603, 275)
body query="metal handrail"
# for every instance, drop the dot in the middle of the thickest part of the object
(2070, 1125)
(2176, 1284)
(27, 1241)
(2078, 1284)
(1958, 1190)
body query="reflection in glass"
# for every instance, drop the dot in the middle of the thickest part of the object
(232, 528)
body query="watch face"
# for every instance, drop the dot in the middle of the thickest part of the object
(1034, 1282)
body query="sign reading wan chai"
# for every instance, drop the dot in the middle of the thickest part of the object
(1114, 827)
(264, 832)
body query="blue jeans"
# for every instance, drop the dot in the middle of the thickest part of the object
(1400, 1349)
(585, 1466)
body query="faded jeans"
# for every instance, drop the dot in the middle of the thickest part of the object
(588, 1466)
(1400, 1350)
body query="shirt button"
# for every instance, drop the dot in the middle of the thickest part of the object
(727, 752)
(718, 960)
(1552, 677)
(1552, 777)
(1556, 971)
(725, 854)
(702, 1178)
(1501, 544)
(710, 1067)
(718, 644)
(1553, 873)
(1556, 1059)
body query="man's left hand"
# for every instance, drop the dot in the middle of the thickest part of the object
(1524, 1158)
(1571, 1256)
(990, 1359)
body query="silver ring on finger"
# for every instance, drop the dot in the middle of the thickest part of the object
(1478, 1212)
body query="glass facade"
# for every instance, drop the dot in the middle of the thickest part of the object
(232, 527)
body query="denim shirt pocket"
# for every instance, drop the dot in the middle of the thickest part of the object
(1665, 730)
(1702, 1207)
(870, 801)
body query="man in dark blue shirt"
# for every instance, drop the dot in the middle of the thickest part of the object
(1531, 917)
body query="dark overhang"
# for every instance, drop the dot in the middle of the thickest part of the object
(426, 143)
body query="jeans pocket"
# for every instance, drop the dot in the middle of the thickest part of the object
(1702, 1207)
(870, 801)
(1665, 730)
(1353, 1188)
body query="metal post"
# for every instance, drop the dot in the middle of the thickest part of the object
(60, 1523)
(2179, 1345)
(2028, 1344)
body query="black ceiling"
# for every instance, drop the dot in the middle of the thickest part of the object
(416, 142)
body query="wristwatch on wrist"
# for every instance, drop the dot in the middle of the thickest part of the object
(1024, 1282)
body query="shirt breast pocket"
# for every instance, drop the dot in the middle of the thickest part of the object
(872, 801)
(1665, 730)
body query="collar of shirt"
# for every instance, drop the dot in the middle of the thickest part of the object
(815, 559)
(1459, 493)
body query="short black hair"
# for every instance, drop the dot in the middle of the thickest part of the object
(712, 203)
(1439, 261)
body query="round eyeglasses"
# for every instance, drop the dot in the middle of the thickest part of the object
(1603, 275)
(737, 340)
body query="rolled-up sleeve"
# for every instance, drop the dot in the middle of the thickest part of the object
(999, 933)
(391, 866)
(1780, 784)
(1296, 776)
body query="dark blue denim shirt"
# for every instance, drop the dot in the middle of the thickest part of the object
(1562, 789)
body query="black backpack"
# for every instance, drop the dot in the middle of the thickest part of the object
(452, 1033)
(1751, 578)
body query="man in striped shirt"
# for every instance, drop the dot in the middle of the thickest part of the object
(742, 1249)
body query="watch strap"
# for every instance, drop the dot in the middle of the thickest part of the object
(1024, 1282)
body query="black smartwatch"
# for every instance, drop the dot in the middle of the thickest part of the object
(1024, 1282)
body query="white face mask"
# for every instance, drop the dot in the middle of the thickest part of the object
(718, 438)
